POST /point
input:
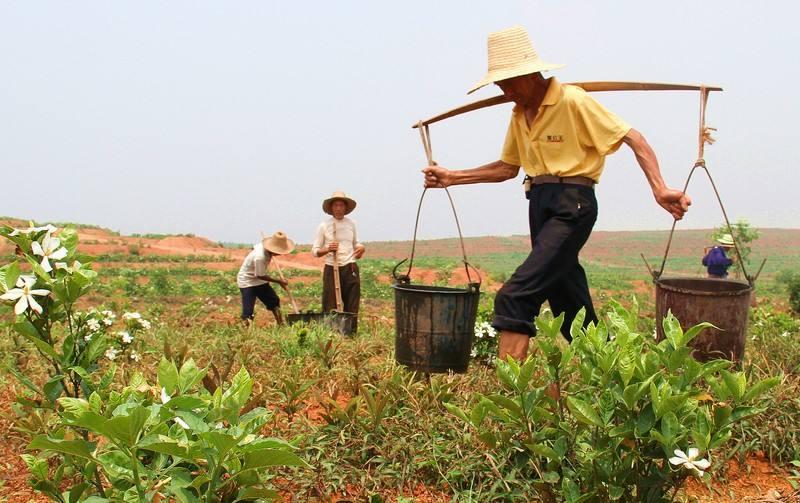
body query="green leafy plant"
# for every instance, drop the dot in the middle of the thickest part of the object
(71, 342)
(615, 415)
(173, 442)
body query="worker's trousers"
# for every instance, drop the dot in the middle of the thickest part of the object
(561, 218)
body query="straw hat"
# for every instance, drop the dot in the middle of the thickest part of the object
(511, 54)
(278, 243)
(350, 204)
(725, 240)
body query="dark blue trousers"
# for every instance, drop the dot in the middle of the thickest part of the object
(561, 217)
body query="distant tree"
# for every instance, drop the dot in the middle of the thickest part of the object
(744, 234)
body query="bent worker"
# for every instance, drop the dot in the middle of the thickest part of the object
(716, 260)
(253, 280)
(337, 240)
(560, 137)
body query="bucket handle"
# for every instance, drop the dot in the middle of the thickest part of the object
(704, 137)
(406, 278)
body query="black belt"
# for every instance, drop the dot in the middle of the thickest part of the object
(575, 180)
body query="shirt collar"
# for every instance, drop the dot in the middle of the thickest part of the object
(553, 92)
(551, 96)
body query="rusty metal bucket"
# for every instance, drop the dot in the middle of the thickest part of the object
(434, 325)
(721, 302)
(344, 323)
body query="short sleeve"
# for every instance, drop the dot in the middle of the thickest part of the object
(510, 154)
(260, 266)
(598, 127)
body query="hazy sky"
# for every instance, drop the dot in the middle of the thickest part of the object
(227, 118)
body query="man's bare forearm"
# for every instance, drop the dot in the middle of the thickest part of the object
(646, 158)
(497, 171)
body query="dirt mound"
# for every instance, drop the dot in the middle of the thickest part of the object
(186, 242)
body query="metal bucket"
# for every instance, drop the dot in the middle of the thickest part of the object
(721, 302)
(344, 323)
(434, 326)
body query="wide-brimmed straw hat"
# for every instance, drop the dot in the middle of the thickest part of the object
(511, 54)
(725, 240)
(278, 243)
(350, 204)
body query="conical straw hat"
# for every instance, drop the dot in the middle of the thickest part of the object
(511, 54)
(725, 240)
(350, 203)
(278, 243)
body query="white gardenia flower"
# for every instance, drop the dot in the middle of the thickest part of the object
(50, 248)
(16, 232)
(93, 324)
(691, 462)
(87, 338)
(24, 295)
(135, 356)
(144, 324)
(131, 316)
(125, 337)
(109, 314)
(111, 353)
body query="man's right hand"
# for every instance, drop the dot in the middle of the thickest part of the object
(284, 284)
(332, 247)
(437, 177)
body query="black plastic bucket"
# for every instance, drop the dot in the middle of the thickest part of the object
(721, 302)
(434, 326)
(344, 323)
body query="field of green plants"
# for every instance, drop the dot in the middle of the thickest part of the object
(139, 384)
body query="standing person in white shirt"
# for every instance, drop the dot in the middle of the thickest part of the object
(337, 235)
(253, 280)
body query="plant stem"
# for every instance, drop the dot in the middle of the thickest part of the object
(139, 489)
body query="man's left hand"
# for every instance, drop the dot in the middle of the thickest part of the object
(359, 251)
(674, 201)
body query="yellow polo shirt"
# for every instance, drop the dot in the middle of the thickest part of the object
(570, 136)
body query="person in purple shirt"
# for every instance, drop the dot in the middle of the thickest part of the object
(716, 261)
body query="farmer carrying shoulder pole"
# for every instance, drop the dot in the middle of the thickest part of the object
(253, 280)
(560, 136)
(337, 239)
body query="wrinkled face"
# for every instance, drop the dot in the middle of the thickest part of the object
(521, 89)
(338, 208)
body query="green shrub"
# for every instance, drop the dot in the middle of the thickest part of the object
(615, 415)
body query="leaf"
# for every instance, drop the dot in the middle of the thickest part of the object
(164, 445)
(271, 457)
(189, 375)
(125, 429)
(74, 406)
(695, 331)
(510, 406)
(167, 375)
(79, 448)
(670, 427)
(645, 421)
(551, 477)
(456, 411)
(583, 412)
(256, 493)
(53, 388)
(735, 382)
(9, 274)
(760, 387)
(544, 451)
(28, 330)
(701, 433)
(221, 441)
